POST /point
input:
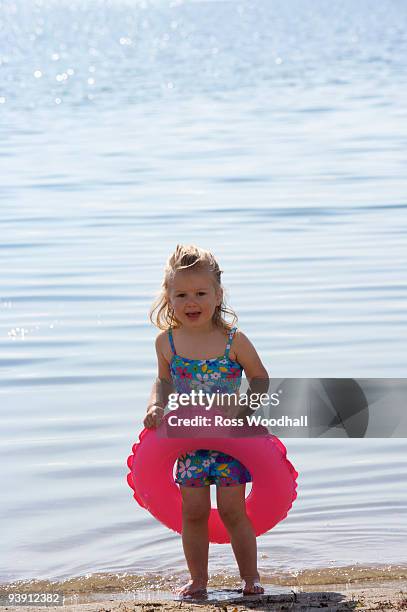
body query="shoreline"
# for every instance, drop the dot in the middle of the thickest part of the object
(335, 589)
(363, 597)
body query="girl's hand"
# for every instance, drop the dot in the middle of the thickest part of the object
(153, 417)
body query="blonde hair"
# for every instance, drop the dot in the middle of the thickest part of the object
(184, 257)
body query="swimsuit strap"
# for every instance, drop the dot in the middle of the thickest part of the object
(171, 341)
(229, 344)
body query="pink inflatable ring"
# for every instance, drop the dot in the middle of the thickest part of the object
(273, 487)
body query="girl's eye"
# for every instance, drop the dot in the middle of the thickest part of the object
(201, 293)
(180, 295)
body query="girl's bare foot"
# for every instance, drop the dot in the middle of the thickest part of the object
(252, 587)
(193, 588)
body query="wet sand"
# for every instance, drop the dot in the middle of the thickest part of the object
(387, 595)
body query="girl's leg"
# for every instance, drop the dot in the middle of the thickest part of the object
(232, 510)
(196, 507)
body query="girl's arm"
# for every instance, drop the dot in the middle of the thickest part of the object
(162, 386)
(253, 367)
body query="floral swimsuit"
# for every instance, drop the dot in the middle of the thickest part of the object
(205, 467)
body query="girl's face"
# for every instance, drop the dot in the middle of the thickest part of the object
(194, 297)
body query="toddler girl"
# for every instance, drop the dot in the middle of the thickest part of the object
(198, 349)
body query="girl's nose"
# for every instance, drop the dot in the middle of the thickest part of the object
(191, 302)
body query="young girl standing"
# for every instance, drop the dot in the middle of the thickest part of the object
(198, 348)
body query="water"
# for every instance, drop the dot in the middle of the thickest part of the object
(273, 134)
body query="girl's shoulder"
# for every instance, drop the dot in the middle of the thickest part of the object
(240, 341)
(248, 357)
(162, 345)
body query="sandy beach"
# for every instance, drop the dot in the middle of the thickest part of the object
(364, 596)
(370, 592)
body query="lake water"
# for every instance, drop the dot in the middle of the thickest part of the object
(273, 133)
